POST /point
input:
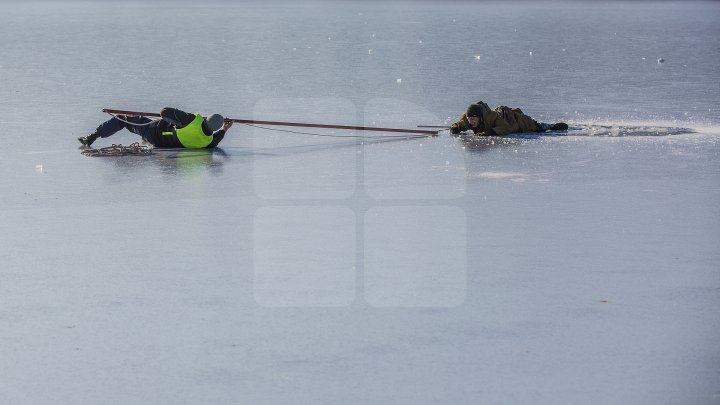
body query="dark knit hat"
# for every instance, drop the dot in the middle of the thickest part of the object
(474, 111)
(215, 122)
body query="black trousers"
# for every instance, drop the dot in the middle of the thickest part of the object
(143, 126)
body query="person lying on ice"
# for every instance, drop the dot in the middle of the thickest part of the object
(502, 121)
(174, 129)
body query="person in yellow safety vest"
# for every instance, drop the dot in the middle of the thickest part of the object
(174, 129)
(502, 121)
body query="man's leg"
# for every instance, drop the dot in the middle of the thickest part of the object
(106, 129)
(543, 127)
(145, 127)
(560, 126)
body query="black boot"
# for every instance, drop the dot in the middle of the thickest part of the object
(88, 140)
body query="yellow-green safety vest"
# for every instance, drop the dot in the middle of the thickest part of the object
(192, 135)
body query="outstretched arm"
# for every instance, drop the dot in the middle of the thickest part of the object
(220, 134)
(459, 126)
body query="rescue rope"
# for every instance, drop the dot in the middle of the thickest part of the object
(117, 117)
(118, 150)
(340, 136)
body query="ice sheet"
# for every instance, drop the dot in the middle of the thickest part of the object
(578, 267)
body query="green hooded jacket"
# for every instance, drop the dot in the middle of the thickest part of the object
(502, 121)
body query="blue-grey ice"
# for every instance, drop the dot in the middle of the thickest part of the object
(349, 267)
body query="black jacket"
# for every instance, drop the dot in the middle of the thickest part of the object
(172, 118)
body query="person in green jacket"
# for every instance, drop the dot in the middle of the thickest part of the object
(502, 121)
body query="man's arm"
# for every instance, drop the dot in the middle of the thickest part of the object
(176, 117)
(220, 134)
(459, 126)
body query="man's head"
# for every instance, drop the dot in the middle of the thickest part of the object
(215, 122)
(473, 113)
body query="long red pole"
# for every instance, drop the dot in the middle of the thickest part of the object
(289, 124)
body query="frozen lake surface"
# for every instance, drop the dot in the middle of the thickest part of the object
(565, 268)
